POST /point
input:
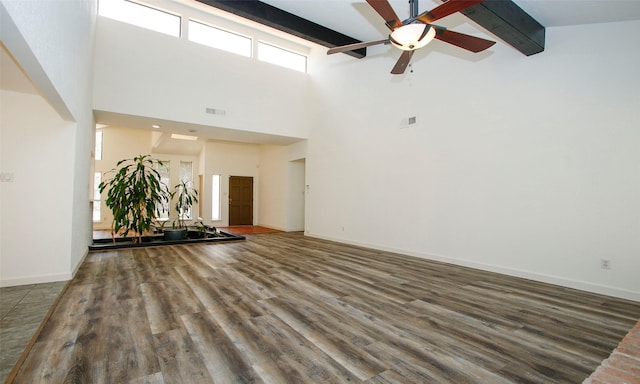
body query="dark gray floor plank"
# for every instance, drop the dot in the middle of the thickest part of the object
(284, 308)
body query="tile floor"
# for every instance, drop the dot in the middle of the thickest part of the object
(623, 366)
(22, 309)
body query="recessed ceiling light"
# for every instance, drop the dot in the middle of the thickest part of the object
(155, 126)
(183, 137)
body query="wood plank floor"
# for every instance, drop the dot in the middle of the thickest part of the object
(283, 308)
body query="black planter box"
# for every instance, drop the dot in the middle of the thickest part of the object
(193, 237)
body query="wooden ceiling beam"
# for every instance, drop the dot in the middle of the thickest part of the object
(503, 18)
(273, 17)
(510, 23)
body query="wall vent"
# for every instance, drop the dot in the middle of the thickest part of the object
(407, 122)
(214, 111)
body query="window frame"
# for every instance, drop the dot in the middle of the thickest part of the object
(221, 31)
(216, 198)
(97, 207)
(189, 182)
(99, 145)
(143, 22)
(166, 205)
(262, 43)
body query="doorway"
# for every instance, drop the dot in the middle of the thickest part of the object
(240, 200)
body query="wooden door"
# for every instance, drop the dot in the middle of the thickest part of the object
(240, 200)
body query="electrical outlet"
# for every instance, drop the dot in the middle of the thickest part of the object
(605, 264)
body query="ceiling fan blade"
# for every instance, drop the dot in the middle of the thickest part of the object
(386, 12)
(402, 63)
(446, 9)
(351, 47)
(468, 42)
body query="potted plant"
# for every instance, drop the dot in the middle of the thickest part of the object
(185, 196)
(135, 195)
(201, 229)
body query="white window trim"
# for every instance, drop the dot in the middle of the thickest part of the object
(249, 39)
(216, 216)
(113, 4)
(290, 51)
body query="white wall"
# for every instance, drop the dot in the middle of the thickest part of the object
(144, 73)
(36, 207)
(295, 195)
(273, 186)
(229, 159)
(135, 75)
(53, 43)
(522, 165)
(282, 179)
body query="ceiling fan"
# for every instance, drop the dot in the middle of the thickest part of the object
(417, 31)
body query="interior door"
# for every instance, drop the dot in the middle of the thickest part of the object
(240, 200)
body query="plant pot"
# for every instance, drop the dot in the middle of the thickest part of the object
(175, 233)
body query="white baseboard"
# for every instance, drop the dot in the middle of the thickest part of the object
(27, 280)
(272, 227)
(550, 279)
(75, 270)
(283, 229)
(41, 279)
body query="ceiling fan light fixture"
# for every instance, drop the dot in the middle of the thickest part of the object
(412, 36)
